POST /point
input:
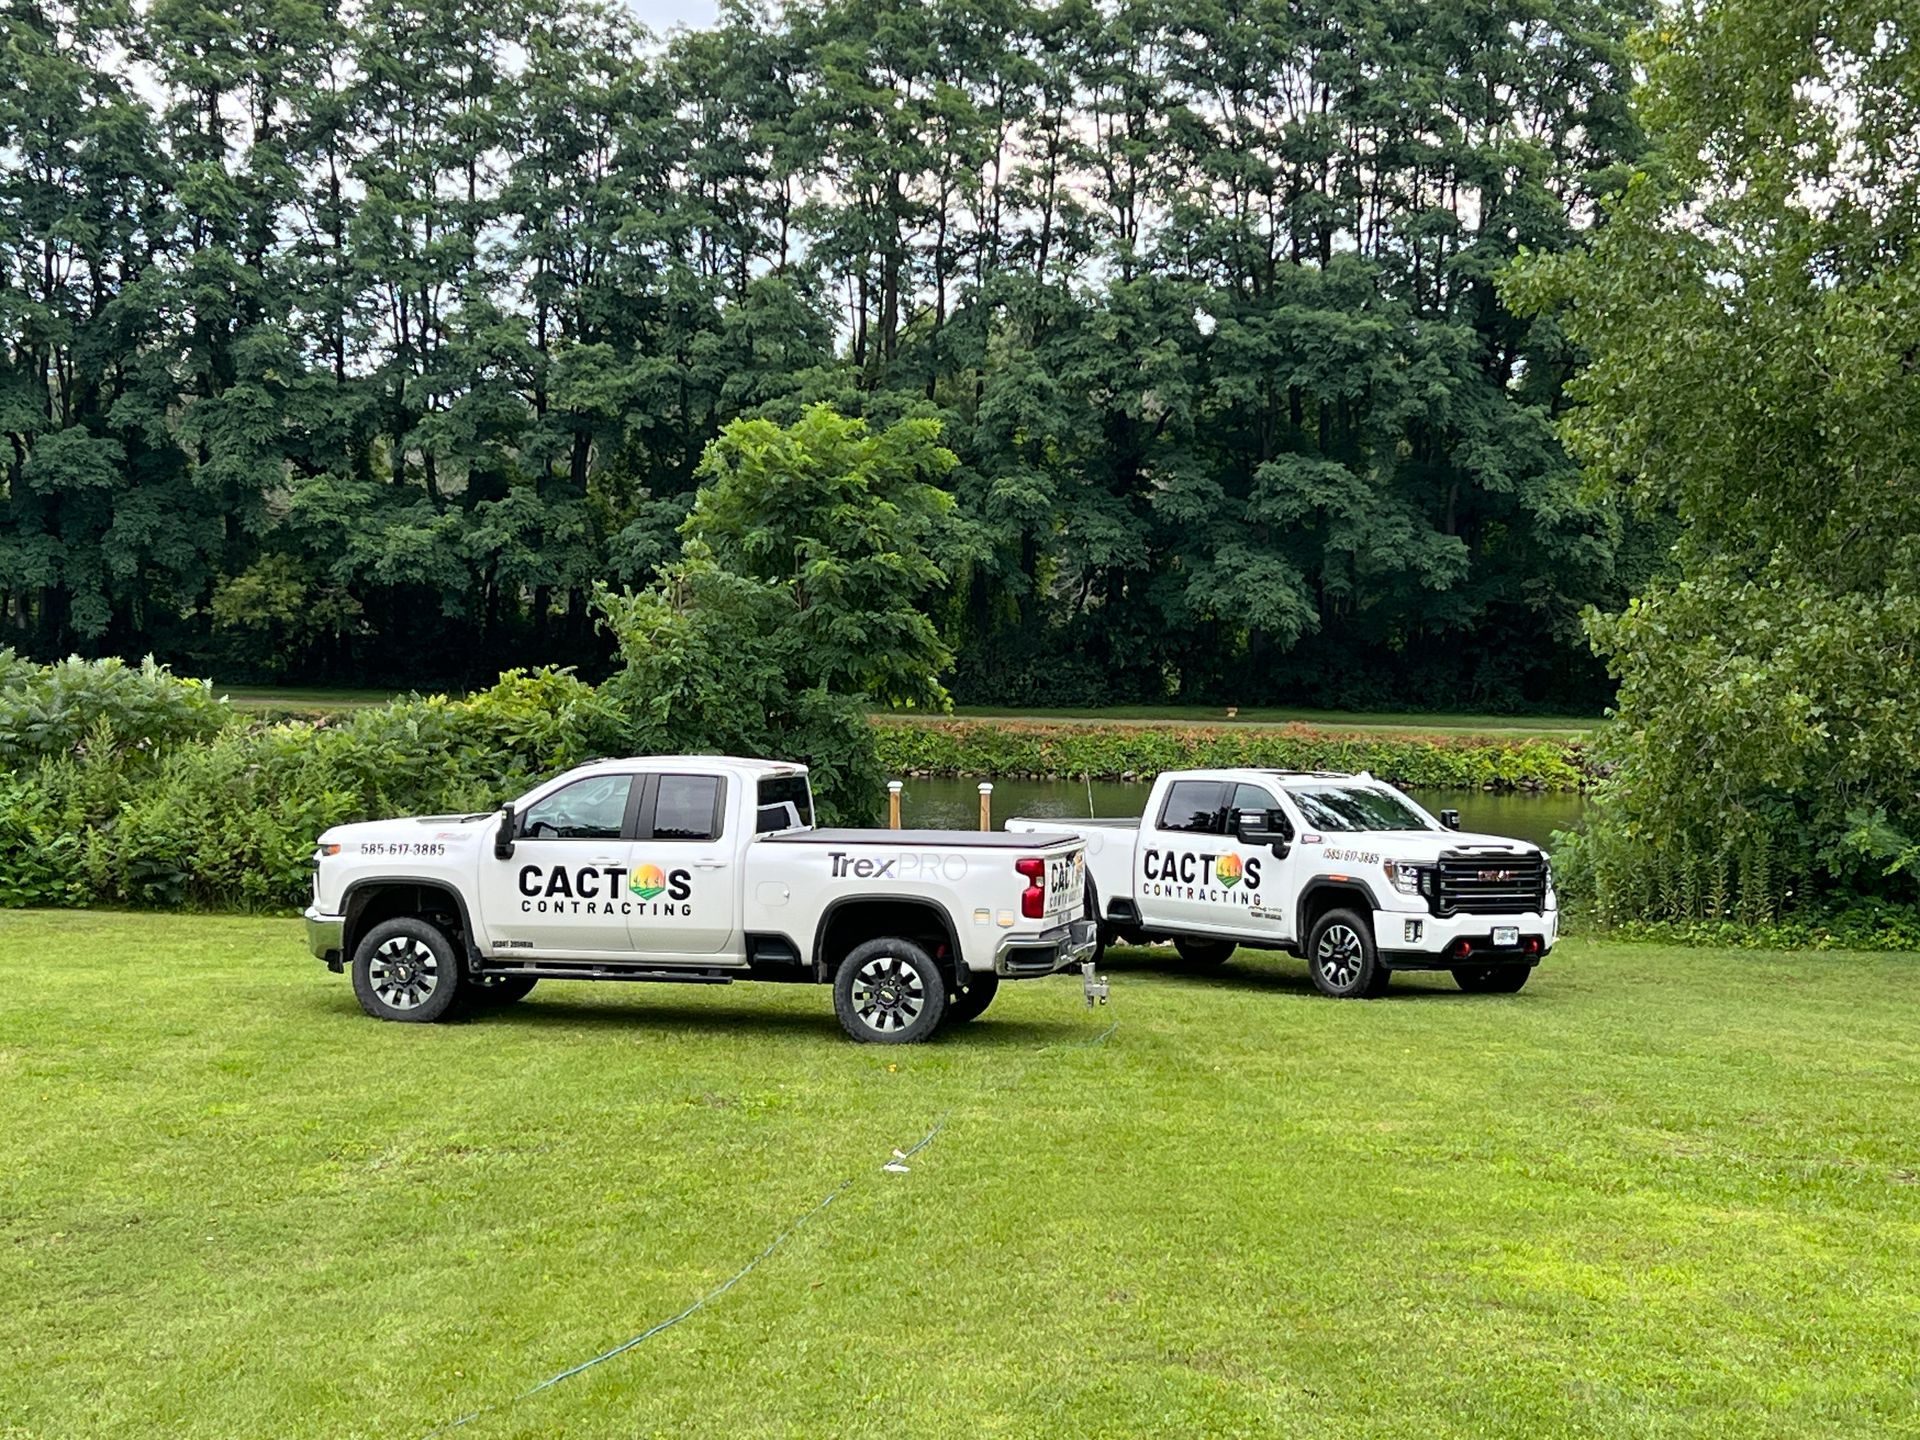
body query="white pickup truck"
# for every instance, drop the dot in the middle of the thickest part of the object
(1343, 870)
(697, 869)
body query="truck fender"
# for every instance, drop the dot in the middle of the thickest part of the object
(361, 892)
(932, 909)
(1349, 890)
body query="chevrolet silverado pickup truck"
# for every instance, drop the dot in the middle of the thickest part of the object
(1342, 870)
(697, 869)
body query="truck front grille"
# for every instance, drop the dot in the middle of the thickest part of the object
(1493, 884)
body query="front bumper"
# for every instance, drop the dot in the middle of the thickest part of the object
(1021, 957)
(1436, 947)
(325, 936)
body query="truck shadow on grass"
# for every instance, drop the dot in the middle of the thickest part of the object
(1261, 971)
(630, 1012)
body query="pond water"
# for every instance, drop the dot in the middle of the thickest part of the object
(955, 804)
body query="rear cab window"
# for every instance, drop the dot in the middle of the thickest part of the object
(1194, 807)
(784, 802)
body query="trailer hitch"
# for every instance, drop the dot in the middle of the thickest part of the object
(1095, 985)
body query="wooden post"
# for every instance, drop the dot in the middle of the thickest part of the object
(893, 804)
(986, 805)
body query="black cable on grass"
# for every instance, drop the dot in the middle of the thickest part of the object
(894, 1164)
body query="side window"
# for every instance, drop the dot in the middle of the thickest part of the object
(687, 807)
(590, 809)
(1193, 805)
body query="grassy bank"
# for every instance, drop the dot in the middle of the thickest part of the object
(1125, 751)
(1659, 1192)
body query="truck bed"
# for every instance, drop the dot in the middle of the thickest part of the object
(943, 839)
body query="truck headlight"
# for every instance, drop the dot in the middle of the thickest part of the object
(1403, 875)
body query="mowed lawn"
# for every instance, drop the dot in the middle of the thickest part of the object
(1661, 1192)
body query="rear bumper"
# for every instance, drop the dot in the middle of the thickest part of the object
(325, 935)
(1437, 944)
(1022, 957)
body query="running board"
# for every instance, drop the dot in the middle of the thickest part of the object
(608, 972)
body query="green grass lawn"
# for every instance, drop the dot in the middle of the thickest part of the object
(1398, 722)
(1661, 1192)
(319, 702)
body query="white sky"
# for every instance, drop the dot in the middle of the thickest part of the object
(661, 16)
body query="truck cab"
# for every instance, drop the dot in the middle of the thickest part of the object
(1343, 870)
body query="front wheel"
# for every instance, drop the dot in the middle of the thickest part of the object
(405, 969)
(972, 1001)
(1341, 957)
(1491, 979)
(1205, 952)
(889, 992)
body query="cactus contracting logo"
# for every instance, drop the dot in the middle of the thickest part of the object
(648, 881)
(1227, 870)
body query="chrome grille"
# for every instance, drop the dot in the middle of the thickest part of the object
(1493, 884)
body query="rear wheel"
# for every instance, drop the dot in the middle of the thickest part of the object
(1341, 957)
(406, 969)
(1491, 979)
(970, 1002)
(1205, 952)
(889, 992)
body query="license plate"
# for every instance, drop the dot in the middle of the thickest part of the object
(1506, 935)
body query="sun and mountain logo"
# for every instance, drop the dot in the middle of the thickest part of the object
(648, 881)
(1227, 870)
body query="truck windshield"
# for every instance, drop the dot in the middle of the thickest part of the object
(1355, 807)
(786, 803)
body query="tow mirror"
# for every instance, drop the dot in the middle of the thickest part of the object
(503, 837)
(1264, 827)
(1450, 819)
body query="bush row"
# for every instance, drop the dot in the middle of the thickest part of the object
(1011, 749)
(229, 820)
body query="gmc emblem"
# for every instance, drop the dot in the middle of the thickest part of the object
(1497, 875)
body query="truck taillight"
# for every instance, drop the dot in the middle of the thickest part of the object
(1033, 899)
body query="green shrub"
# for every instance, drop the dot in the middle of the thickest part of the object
(49, 710)
(1136, 752)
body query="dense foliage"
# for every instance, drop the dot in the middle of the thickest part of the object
(360, 342)
(1752, 309)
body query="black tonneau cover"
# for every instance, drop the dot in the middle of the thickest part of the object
(924, 839)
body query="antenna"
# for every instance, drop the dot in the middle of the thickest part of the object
(1087, 775)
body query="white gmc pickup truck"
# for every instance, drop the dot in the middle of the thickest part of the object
(697, 869)
(1341, 869)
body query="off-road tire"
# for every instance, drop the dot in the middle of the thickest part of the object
(1205, 952)
(1341, 957)
(1491, 979)
(889, 992)
(972, 1001)
(407, 969)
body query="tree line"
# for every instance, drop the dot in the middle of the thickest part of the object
(358, 342)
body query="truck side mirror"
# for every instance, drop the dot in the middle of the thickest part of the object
(1450, 819)
(1264, 827)
(503, 837)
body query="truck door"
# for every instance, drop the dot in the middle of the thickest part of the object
(1180, 846)
(1263, 908)
(685, 885)
(561, 892)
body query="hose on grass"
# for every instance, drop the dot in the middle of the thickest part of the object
(896, 1164)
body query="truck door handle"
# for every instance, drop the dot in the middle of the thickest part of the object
(709, 864)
